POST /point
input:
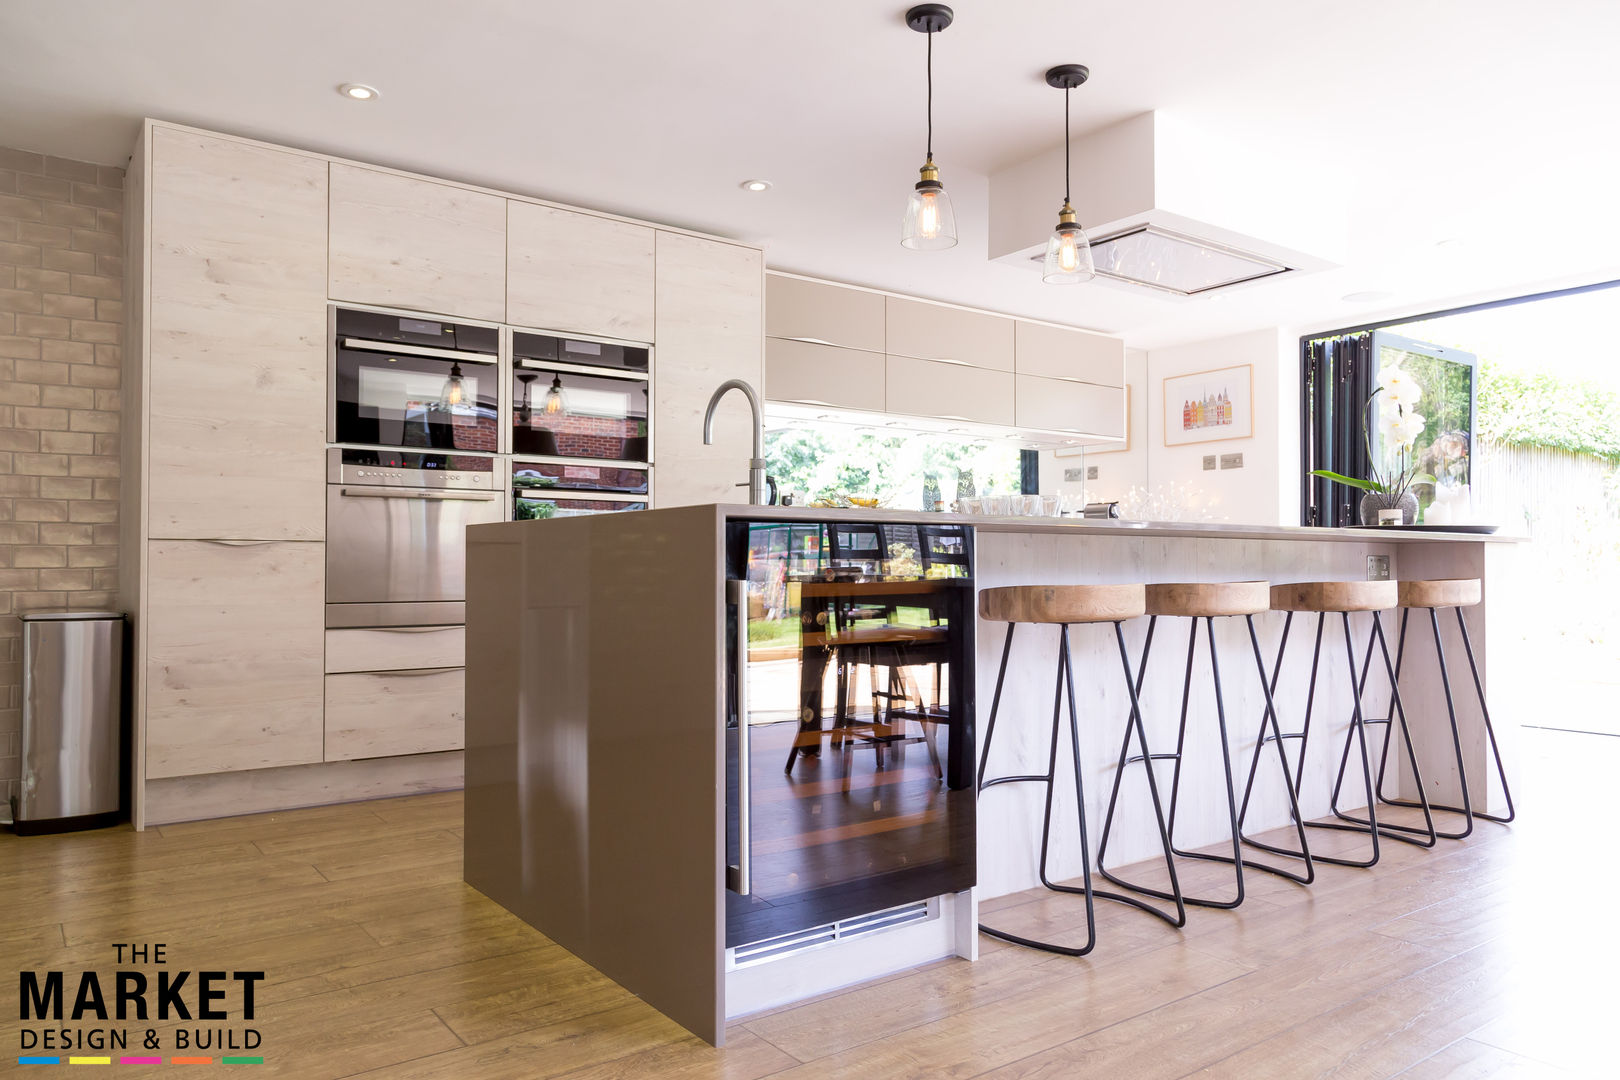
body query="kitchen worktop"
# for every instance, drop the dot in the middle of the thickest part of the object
(1102, 526)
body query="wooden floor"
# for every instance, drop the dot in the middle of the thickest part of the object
(1489, 957)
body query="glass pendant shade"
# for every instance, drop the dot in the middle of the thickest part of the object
(554, 397)
(454, 389)
(1068, 254)
(930, 224)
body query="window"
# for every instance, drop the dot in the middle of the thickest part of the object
(822, 461)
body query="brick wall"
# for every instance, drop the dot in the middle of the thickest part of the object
(61, 328)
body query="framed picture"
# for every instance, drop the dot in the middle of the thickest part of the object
(1209, 406)
(1091, 449)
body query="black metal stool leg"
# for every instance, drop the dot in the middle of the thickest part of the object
(1134, 724)
(1358, 730)
(1467, 807)
(1425, 837)
(1490, 731)
(995, 707)
(1269, 689)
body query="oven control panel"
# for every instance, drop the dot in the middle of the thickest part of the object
(410, 468)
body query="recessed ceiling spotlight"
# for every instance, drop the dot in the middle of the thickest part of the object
(755, 185)
(359, 91)
(1366, 296)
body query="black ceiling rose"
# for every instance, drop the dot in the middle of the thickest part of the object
(929, 18)
(1067, 76)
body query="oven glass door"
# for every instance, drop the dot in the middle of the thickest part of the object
(400, 545)
(558, 413)
(541, 477)
(404, 400)
(529, 505)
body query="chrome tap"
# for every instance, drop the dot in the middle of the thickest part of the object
(757, 493)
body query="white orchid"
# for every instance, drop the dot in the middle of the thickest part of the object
(1401, 428)
(1399, 387)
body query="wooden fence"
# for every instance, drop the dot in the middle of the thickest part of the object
(1550, 493)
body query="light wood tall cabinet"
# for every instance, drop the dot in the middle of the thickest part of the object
(234, 640)
(578, 273)
(402, 242)
(709, 328)
(236, 361)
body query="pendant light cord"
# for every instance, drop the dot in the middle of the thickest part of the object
(930, 95)
(1066, 154)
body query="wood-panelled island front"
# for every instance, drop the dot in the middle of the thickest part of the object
(726, 753)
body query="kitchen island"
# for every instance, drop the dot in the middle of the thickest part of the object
(691, 760)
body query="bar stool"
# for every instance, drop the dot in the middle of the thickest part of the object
(1207, 602)
(1456, 593)
(1064, 606)
(1342, 598)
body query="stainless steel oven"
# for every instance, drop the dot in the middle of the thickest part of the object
(413, 383)
(396, 534)
(576, 400)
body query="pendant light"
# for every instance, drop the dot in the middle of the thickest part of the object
(454, 391)
(929, 224)
(525, 411)
(1068, 251)
(554, 397)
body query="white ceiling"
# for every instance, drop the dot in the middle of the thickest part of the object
(1480, 121)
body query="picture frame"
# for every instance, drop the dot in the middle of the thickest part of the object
(1209, 406)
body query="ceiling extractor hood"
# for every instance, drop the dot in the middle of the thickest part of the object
(1175, 208)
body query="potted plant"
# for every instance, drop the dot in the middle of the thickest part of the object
(1399, 425)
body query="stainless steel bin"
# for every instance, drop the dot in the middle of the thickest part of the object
(73, 734)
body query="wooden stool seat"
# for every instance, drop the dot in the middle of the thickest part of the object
(1442, 592)
(1200, 600)
(1323, 596)
(1062, 603)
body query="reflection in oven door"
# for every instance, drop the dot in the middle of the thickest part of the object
(400, 545)
(405, 400)
(534, 506)
(542, 476)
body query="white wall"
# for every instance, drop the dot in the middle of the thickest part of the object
(1265, 491)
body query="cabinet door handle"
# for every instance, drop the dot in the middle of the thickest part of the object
(244, 543)
(404, 672)
(409, 493)
(738, 876)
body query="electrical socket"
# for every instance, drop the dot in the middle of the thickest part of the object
(1073, 476)
(1232, 461)
(1091, 472)
(1378, 568)
(1209, 462)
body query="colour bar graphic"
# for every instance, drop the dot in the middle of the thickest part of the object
(37, 1060)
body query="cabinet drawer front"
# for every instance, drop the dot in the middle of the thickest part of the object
(236, 359)
(233, 667)
(819, 312)
(578, 273)
(949, 391)
(935, 332)
(823, 374)
(396, 648)
(1060, 405)
(407, 243)
(1055, 352)
(390, 713)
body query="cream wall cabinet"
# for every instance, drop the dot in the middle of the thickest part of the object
(381, 714)
(236, 359)
(1056, 352)
(824, 375)
(937, 332)
(818, 312)
(949, 391)
(578, 272)
(234, 635)
(406, 243)
(710, 315)
(1060, 405)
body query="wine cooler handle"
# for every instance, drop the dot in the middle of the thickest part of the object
(737, 877)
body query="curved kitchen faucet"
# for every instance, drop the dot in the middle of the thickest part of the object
(757, 494)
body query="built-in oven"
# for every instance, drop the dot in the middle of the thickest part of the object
(579, 400)
(413, 383)
(543, 490)
(396, 534)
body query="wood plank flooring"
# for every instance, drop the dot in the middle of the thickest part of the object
(1488, 957)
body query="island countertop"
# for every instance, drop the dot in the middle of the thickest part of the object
(1214, 530)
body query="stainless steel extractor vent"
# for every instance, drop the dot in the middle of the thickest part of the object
(817, 937)
(1174, 263)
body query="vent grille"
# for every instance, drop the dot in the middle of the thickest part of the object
(817, 937)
